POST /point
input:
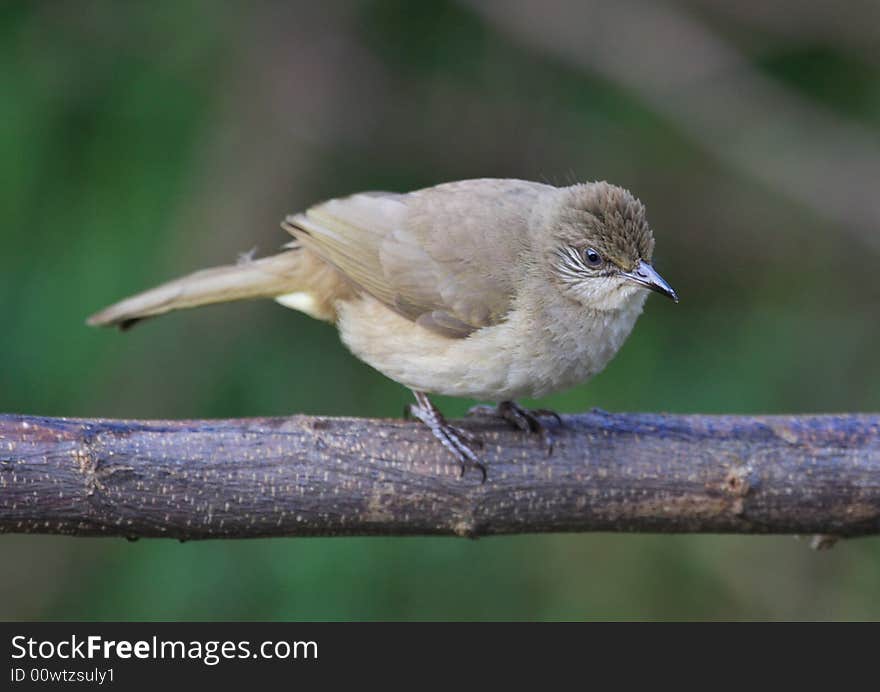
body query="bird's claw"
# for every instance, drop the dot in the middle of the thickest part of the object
(546, 413)
(457, 441)
(524, 419)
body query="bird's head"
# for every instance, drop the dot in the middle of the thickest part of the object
(601, 246)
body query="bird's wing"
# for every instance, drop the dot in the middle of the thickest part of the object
(444, 257)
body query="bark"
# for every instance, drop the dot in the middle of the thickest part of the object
(305, 476)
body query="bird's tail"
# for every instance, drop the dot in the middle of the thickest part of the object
(269, 277)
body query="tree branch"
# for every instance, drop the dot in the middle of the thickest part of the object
(304, 476)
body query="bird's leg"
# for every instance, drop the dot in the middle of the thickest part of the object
(457, 441)
(527, 420)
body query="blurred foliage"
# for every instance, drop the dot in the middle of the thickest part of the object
(141, 140)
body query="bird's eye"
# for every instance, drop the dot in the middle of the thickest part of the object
(592, 258)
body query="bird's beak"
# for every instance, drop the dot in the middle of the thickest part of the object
(645, 275)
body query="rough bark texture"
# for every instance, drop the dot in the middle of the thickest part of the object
(303, 476)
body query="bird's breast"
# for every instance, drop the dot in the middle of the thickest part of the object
(527, 355)
(576, 343)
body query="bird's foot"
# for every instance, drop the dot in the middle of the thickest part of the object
(527, 420)
(458, 442)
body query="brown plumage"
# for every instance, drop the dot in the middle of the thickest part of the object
(492, 289)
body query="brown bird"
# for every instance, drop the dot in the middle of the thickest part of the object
(491, 289)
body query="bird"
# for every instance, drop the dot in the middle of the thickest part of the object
(491, 289)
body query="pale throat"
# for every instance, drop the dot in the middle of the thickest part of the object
(606, 294)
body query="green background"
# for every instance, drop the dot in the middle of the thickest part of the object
(144, 140)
